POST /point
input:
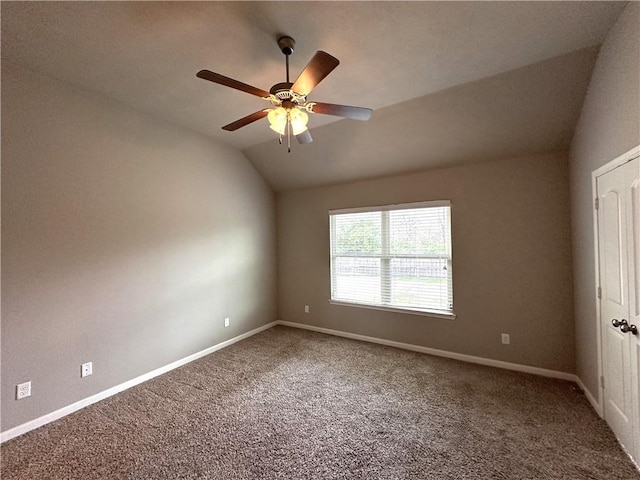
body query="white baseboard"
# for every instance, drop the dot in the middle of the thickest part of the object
(440, 353)
(64, 411)
(592, 400)
(50, 417)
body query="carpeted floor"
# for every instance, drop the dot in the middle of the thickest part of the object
(293, 404)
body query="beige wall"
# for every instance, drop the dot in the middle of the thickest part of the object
(511, 260)
(609, 125)
(125, 242)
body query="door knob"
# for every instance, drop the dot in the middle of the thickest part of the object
(618, 323)
(629, 328)
(624, 326)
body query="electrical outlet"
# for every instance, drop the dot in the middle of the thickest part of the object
(226, 322)
(306, 309)
(86, 369)
(23, 390)
(506, 339)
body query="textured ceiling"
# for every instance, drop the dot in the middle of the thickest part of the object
(444, 65)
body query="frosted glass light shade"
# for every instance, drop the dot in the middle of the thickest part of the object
(278, 119)
(298, 120)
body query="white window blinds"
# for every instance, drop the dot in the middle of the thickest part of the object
(396, 256)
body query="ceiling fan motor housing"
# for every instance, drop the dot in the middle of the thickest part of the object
(282, 90)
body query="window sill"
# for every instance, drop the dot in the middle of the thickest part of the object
(409, 311)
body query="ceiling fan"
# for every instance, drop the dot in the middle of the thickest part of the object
(289, 105)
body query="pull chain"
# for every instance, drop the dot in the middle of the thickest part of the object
(288, 134)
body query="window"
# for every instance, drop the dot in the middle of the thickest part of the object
(396, 257)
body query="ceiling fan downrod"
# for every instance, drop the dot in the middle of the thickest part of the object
(287, 45)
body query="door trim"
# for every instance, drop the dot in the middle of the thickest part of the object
(616, 162)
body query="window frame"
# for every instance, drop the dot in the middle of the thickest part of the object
(386, 257)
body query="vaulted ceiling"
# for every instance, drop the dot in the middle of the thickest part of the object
(449, 82)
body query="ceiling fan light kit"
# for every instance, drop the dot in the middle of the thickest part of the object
(290, 108)
(280, 118)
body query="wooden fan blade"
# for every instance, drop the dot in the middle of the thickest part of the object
(320, 65)
(356, 113)
(245, 121)
(230, 82)
(304, 137)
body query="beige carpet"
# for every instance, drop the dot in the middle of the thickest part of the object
(292, 404)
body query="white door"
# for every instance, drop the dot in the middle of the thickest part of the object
(619, 267)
